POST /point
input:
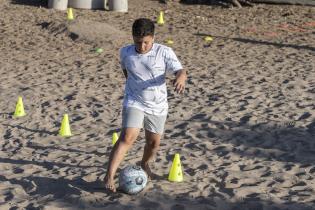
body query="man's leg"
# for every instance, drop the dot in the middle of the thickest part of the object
(125, 141)
(151, 147)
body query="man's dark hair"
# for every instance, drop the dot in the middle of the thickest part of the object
(143, 27)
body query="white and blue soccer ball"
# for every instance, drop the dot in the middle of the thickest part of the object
(132, 179)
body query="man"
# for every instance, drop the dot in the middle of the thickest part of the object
(145, 65)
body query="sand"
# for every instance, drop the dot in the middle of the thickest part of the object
(244, 128)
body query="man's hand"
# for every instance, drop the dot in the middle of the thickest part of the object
(179, 82)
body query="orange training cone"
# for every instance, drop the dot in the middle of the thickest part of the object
(65, 127)
(176, 174)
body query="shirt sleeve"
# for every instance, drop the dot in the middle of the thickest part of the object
(171, 61)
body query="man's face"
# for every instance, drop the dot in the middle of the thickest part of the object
(143, 44)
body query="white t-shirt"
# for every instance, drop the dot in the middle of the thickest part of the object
(145, 87)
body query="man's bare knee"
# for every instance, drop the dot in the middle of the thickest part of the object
(154, 144)
(129, 136)
(127, 140)
(152, 140)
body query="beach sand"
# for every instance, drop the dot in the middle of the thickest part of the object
(244, 128)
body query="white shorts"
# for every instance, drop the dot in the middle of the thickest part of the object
(135, 118)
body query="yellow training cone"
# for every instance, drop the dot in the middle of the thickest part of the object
(70, 14)
(176, 174)
(65, 127)
(169, 41)
(160, 20)
(208, 39)
(19, 109)
(114, 138)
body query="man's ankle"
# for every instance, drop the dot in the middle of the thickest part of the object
(108, 177)
(144, 164)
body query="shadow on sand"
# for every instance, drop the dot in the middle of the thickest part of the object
(79, 194)
(267, 141)
(35, 3)
(261, 42)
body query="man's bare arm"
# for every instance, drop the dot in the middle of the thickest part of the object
(179, 82)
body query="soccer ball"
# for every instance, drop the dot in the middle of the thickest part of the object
(132, 179)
